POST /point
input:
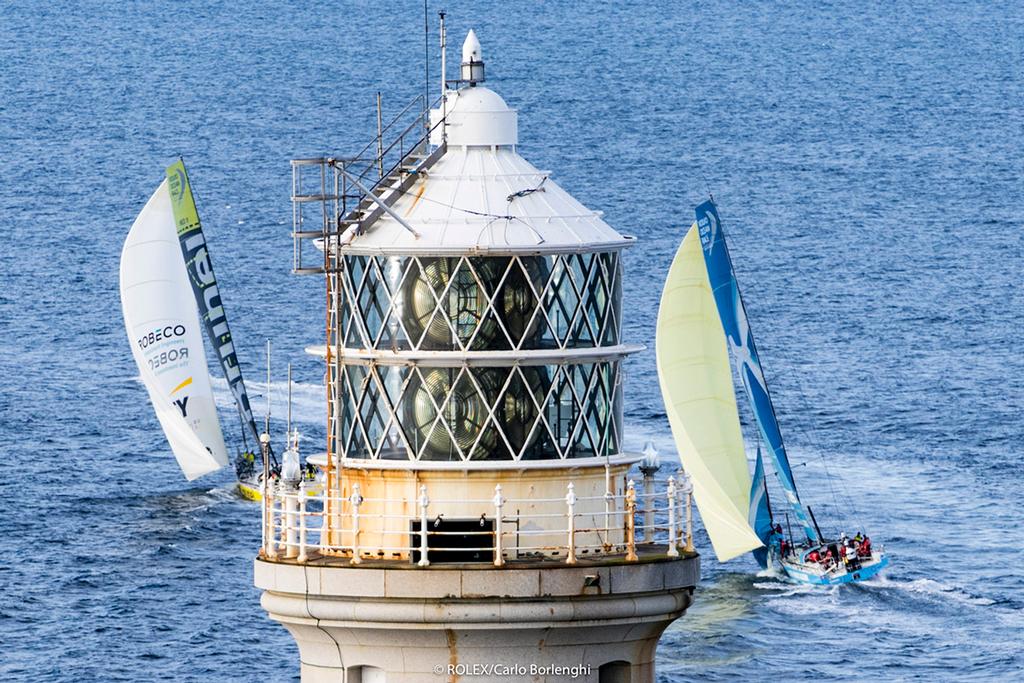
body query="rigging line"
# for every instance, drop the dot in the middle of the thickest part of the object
(849, 500)
(753, 344)
(241, 423)
(828, 474)
(707, 186)
(808, 436)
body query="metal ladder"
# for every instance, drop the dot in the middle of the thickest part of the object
(329, 183)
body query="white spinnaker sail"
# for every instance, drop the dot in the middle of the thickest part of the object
(162, 321)
(697, 387)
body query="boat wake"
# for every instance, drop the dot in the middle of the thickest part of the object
(307, 399)
(199, 498)
(932, 589)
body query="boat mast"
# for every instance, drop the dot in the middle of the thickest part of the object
(768, 500)
(733, 314)
(821, 538)
(266, 422)
(753, 344)
(289, 422)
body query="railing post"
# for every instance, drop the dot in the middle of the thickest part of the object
(263, 518)
(631, 522)
(380, 138)
(649, 466)
(302, 522)
(570, 501)
(325, 522)
(282, 536)
(291, 505)
(648, 507)
(424, 502)
(499, 502)
(608, 498)
(671, 493)
(356, 499)
(687, 487)
(271, 540)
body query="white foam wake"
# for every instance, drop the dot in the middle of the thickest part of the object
(309, 400)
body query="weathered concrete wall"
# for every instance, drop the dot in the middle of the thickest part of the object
(477, 624)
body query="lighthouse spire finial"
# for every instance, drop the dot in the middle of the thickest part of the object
(472, 60)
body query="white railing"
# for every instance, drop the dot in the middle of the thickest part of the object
(295, 526)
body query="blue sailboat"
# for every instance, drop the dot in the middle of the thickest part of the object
(693, 368)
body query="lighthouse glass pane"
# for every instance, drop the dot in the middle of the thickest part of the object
(489, 413)
(480, 303)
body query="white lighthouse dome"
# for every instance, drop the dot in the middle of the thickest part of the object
(477, 116)
(481, 196)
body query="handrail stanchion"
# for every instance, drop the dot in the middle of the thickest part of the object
(325, 521)
(648, 503)
(687, 488)
(499, 501)
(649, 466)
(288, 534)
(301, 559)
(570, 501)
(272, 540)
(424, 545)
(282, 518)
(608, 498)
(671, 493)
(631, 522)
(263, 519)
(356, 500)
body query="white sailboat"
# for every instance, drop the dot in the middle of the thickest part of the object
(168, 294)
(162, 322)
(701, 323)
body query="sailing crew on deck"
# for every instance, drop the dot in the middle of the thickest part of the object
(865, 548)
(850, 556)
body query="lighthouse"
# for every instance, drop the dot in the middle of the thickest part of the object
(479, 518)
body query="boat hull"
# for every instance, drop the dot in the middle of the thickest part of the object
(802, 573)
(251, 490)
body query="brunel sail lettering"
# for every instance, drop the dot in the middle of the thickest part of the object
(204, 287)
(203, 281)
(181, 403)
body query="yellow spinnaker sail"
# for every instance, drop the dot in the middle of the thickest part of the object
(696, 385)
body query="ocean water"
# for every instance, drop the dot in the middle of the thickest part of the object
(867, 159)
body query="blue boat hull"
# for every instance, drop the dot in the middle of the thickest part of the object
(822, 578)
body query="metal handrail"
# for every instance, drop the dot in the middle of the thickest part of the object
(373, 163)
(341, 203)
(287, 529)
(393, 121)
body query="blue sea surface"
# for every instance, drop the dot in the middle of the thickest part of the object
(867, 161)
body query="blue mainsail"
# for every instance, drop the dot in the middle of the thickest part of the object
(741, 343)
(760, 514)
